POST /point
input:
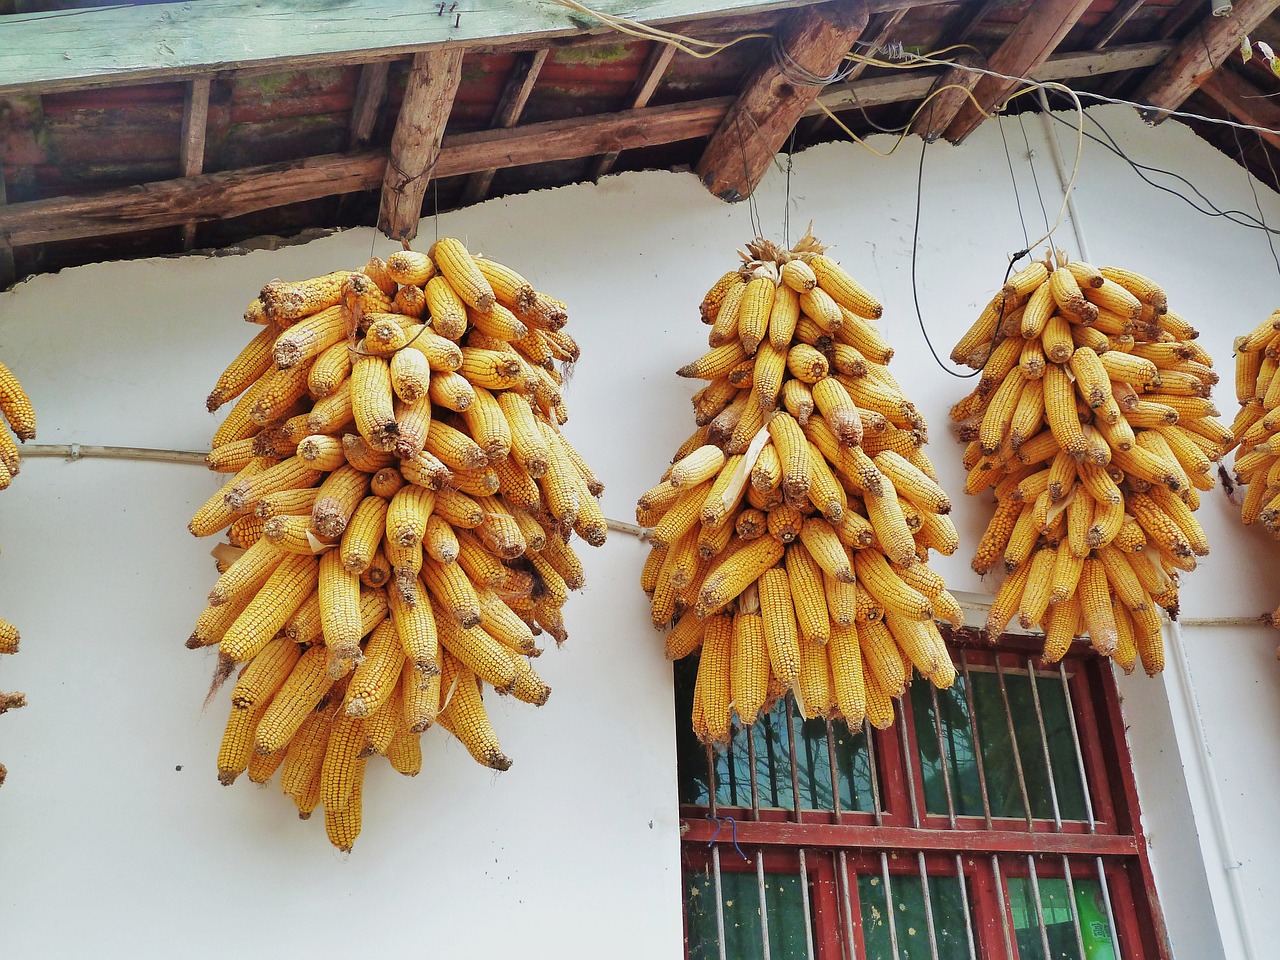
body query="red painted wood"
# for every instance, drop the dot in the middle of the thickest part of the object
(836, 836)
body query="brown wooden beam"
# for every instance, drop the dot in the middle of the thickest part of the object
(195, 123)
(1201, 52)
(953, 90)
(650, 76)
(1244, 102)
(813, 42)
(1029, 45)
(1120, 14)
(8, 269)
(415, 145)
(510, 105)
(967, 20)
(234, 193)
(371, 90)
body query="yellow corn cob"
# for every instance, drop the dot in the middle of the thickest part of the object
(784, 316)
(375, 678)
(236, 749)
(1062, 626)
(294, 701)
(250, 365)
(465, 277)
(713, 682)
(284, 591)
(846, 291)
(749, 666)
(1037, 593)
(1005, 604)
(1095, 607)
(878, 578)
(410, 267)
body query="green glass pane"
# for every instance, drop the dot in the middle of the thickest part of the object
(910, 920)
(742, 928)
(774, 783)
(1059, 926)
(1000, 761)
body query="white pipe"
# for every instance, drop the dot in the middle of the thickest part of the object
(1217, 817)
(1064, 176)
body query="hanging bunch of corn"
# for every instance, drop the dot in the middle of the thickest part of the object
(1092, 425)
(1257, 427)
(400, 508)
(18, 411)
(791, 532)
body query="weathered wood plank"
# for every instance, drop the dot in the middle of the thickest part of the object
(1120, 14)
(1191, 62)
(510, 105)
(813, 42)
(78, 48)
(1243, 101)
(953, 90)
(195, 123)
(655, 67)
(1029, 45)
(415, 145)
(234, 193)
(8, 269)
(371, 90)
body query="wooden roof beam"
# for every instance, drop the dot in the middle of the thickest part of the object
(1120, 14)
(371, 90)
(1028, 46)
(1244, 102)
(195, 125)
(233, 193)
(415, 145)
(814, 40)
(651, 74)
(953, 92)
(1201, 52)
(510, 105)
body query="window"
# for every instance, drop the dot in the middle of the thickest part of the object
(995, 819)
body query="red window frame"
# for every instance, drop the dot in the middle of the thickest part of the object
(854, 841)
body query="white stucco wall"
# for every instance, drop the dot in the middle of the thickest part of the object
(108, 847)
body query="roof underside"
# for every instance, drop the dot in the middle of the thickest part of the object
(306, 147)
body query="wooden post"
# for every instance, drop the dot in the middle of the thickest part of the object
(371, 91)
(813, 42)
(415, 145)
(1025, 49)
(953, 86)
(195, 122)
(510, 105)
(1198, 54)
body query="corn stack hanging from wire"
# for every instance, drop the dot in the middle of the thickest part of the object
(1092, 426)
(399, 506)
(790, 536)
(1257, 428)
(21, 417)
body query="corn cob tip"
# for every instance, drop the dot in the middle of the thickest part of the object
(227, 777)
(496, 760)
(12, 701)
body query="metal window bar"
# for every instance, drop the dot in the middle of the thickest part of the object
(795, 767)
(964, 906)
(849, 947)
(888, 903)
(1013, 743)
(1088, 801)
(1075, 913)
(715, 858)
(1004, 912)
(1044, 743)
(876, 808)
(944, 757)
(977, 742)
(804, 902)
(907, 767)
(930, 929)
(755, 815)
(1035, 893)
(835, 776)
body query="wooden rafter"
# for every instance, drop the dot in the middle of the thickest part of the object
(953, 90)
(510, 105)
(195, 124)
(1029, 45)
(650, 76)
(8, 270)
(371, 90)
(1120, 14)
(415, 145)
(237, 192)
(1201, 52)
(812, 42)
(1244, 102)
(967, 19)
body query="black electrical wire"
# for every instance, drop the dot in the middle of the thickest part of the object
(1256, 202)
(1017, 197)
(1210, 209)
